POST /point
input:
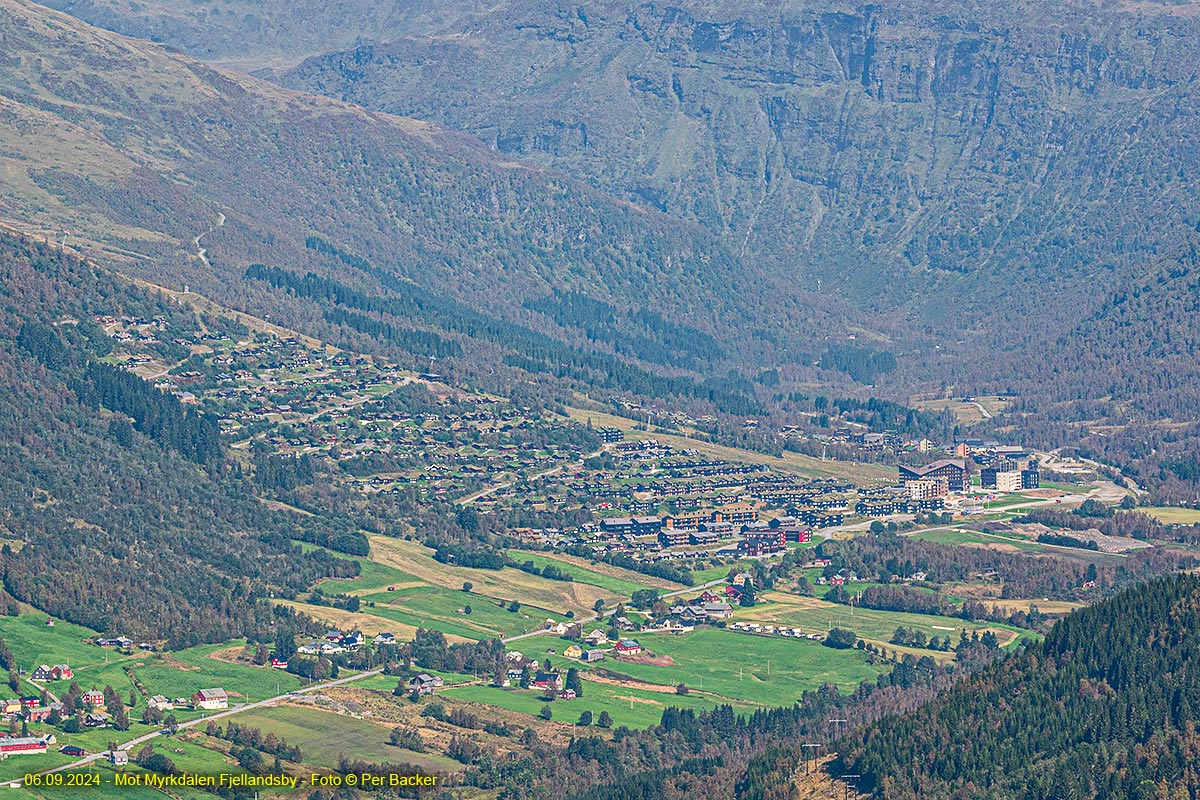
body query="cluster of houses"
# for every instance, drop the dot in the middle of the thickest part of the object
(122, 643)
(709, 606)
(773, 630)
(338, 642)
(519, 667)
(28, 708)
(59, 672)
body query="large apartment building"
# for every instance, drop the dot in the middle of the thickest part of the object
(953, 470)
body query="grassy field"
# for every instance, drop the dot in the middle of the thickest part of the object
(323, 737)
(369, 624)
(200, 670)
(386, 683)
(635, 708)
(34, 643)
(758, 670)
(966, 413)
(811, 614)
(960, 536)
(1169, 515)
(372, 578)
(437, 607)
(810, 466)
(614, 579)
(173, 674)
(506, 584)
(716, 573)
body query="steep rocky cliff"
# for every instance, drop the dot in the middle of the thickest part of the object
(878, 151)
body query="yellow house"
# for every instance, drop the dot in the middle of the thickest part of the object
(12, 707)
(573, 651)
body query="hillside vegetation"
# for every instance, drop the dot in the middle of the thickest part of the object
(970, 189)
(122, 514)
(142, 151)
(1105, 707)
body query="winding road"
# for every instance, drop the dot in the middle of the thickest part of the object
(202, 253)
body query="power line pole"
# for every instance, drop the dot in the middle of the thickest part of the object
(845, 779)
(809, 755)
(837, 723)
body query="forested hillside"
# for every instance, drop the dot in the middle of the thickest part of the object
(121, 511)
(978, 187)
(1104, 708)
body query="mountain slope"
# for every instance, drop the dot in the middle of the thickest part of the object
(143, 151)
(111, 520)
(1104, 708)
(256, 34)
(887, 151)
(985, 176)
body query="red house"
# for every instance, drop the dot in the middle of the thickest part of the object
(628, 647)
(61, 672)
(39, 714)
(732, 591)
(279, 663)
(28, 744)
(92, 698)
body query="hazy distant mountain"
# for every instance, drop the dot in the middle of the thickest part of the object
(963, 160)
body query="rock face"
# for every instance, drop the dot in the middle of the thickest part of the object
(880, 151)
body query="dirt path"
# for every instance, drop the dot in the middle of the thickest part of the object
(202, 253)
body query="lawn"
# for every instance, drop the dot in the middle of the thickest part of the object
(386, 683)
(759, 670)
(33, 643)
(181, 674)
(324, 737)
(811, 614)
(715, 573)
(959, 536)
(635, 708)
(372, 577)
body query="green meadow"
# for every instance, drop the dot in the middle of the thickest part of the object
(634, 708)
(324, 737)
(765, 671)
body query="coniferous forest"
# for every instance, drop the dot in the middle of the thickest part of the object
(121, 511)
(1105, 707)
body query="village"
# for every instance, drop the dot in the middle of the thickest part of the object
(658, 571)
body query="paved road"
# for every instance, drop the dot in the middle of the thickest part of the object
(492, 489)
(132, 743)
